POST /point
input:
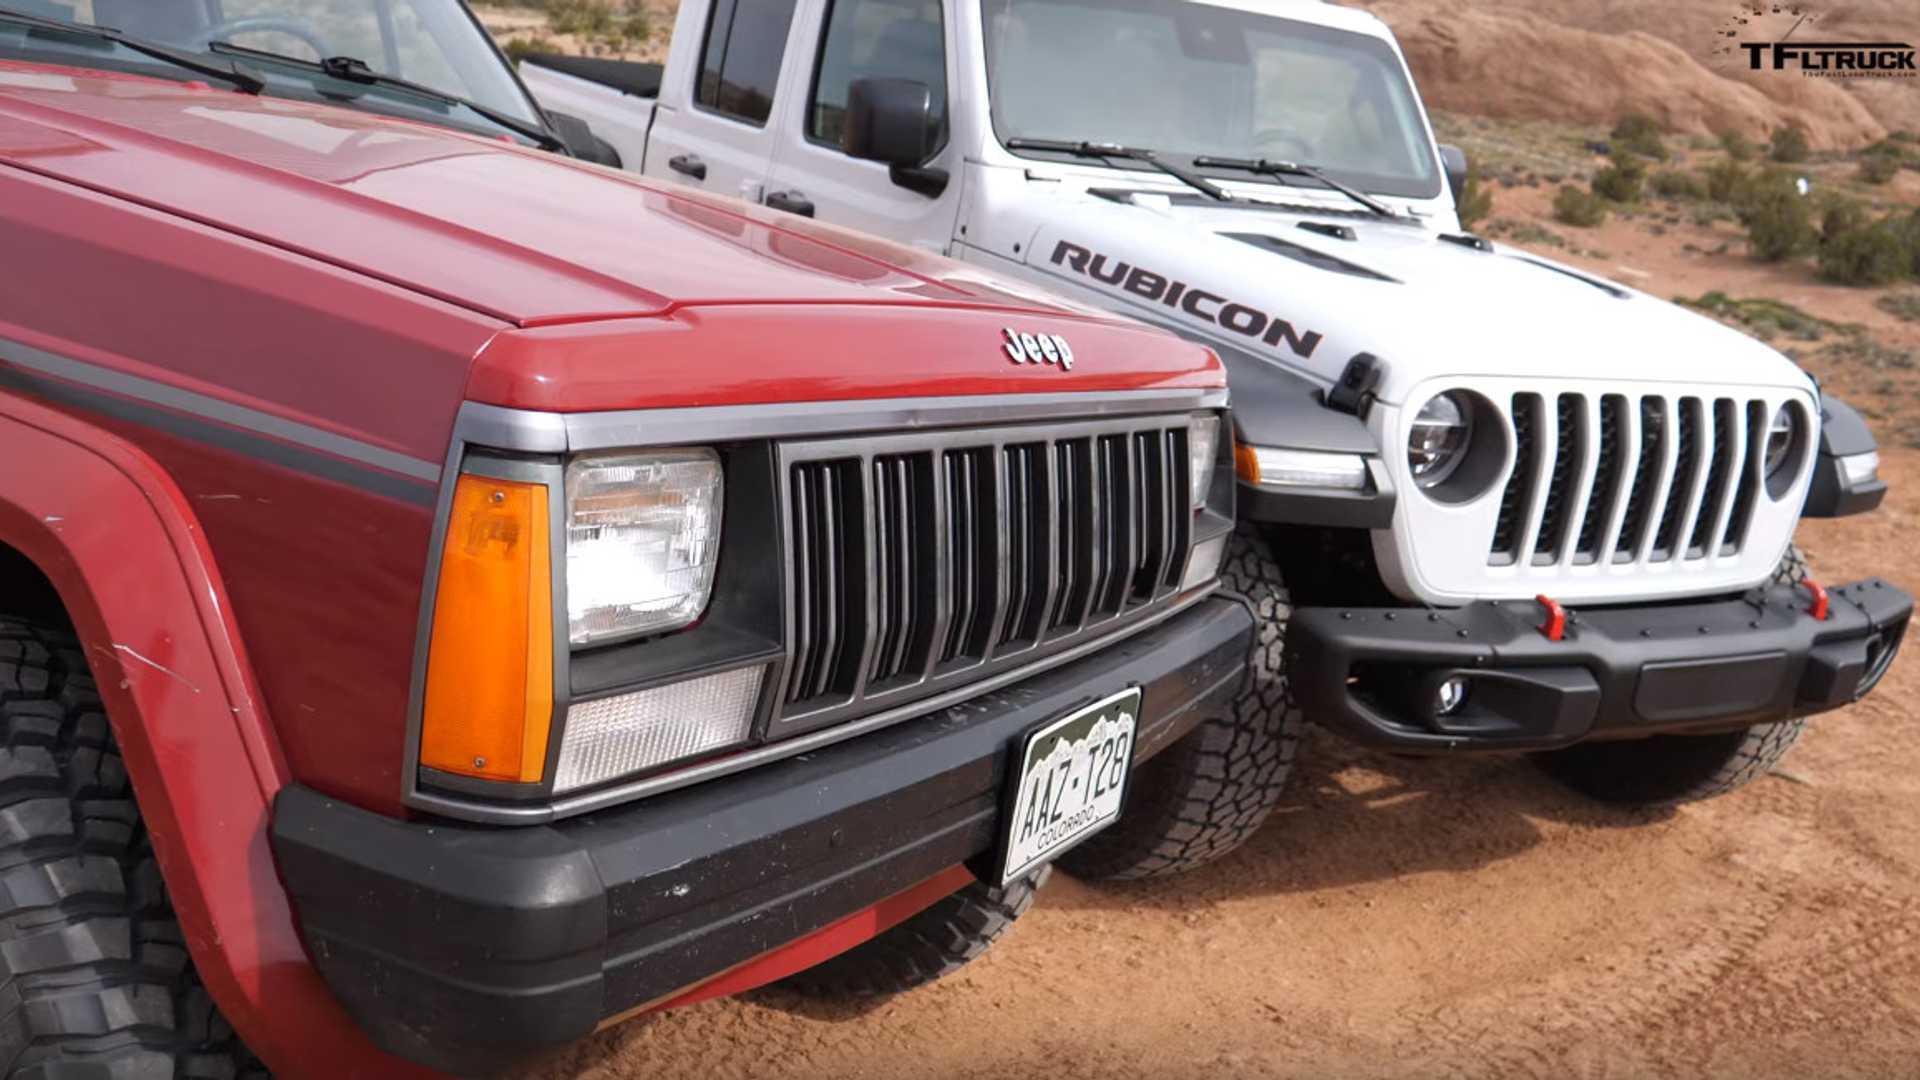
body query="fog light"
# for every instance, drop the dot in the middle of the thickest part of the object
(614, 736)
(1204, 564)
(1452, 695)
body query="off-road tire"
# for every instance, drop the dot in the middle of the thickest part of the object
(1669, 770)
(936, 942)
(1202, 797)
(97, 981)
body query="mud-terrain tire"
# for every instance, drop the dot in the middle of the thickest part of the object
(1669, 770)
(97, 981)
(1205, 795)
(935, 942)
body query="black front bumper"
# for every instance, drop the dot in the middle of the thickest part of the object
(469, 948)
(1375, 675)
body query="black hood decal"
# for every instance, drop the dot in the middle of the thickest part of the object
(1243, 319)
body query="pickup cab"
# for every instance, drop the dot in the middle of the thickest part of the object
(454, 596)
(1489, 502)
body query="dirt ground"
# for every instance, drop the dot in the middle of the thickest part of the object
(1462, 917)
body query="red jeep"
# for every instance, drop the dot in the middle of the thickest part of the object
(453, 596)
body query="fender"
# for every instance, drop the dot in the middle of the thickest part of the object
(121, 547)
(1842, 434)
(1274, 407)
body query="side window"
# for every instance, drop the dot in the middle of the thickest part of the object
(740, 63)
(878, 39)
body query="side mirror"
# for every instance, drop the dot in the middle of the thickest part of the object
(580, 140)
(1454, 161)
(889, 121)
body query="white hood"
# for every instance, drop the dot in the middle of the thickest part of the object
(1426, 306)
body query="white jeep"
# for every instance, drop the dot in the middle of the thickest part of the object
(1487, 501)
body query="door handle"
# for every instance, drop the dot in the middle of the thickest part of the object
(792, 202)
(688, 164)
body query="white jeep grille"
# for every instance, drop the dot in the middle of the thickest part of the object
(1607, 496)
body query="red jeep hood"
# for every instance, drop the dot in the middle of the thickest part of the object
(519, 234)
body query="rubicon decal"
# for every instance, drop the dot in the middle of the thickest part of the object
(1038, 349)
(1242, 319)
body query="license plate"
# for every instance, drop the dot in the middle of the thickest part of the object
(1070, 777)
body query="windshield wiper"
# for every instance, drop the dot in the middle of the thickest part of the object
(354, 70)
(1292, 168)
(1128, 153)
(241, 77)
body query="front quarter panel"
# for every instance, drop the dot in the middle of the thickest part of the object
(121, 545)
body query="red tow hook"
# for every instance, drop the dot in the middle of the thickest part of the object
(1555, 628)
(1821, 605)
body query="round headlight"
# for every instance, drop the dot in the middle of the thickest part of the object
(1441, 434)
(1779, 440)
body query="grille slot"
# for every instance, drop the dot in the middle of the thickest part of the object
(918, 558)
(1657, 478)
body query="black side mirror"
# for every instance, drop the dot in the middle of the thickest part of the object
(580, 140)
(1454, 161)
(889, 121)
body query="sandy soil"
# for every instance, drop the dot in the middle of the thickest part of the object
(1463, 917)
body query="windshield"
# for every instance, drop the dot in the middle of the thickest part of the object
(432, 42)
(1187, 78)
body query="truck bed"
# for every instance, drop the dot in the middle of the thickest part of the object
(630, 77)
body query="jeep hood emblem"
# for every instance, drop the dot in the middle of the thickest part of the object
(1038, 349)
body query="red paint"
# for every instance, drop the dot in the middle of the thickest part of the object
(827, 942)
(1555, 628)
(361, 277)
(119, 541)
(1822, 603)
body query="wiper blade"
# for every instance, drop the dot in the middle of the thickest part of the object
(241, 77)
(1294, 168)
(355, 70)
(1126, 153)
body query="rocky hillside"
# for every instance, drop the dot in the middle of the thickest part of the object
(1593, 60)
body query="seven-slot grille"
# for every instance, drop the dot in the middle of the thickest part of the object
(914, 558)
(1629, 479)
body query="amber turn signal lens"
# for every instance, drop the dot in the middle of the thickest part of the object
(489, 704)
(1246, 463)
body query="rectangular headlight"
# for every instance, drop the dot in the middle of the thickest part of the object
(614, 736)
(1203, 441)
(643, 535)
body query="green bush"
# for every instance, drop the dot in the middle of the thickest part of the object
(1639, 133)
(1873, 254)
(1674, 184)
(1779, 223)
(518, 48)
(1727, 180)
(1737, 146)
(1621, 181)
(1878, 168)
(1581, 209)
(1789, 145)
(1476, 201)
(587, 18)
(1840, 216)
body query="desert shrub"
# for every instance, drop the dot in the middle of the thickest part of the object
(1840, 216)
(1764, 319)
(1779, 223)
(1872, 254)
(587, 18)
(1675, 184)
(1789, 145)
(1476, 201)
(1581, 209)
(1638, 133)
(1904, 306)
(518, 48)
(1907, 228)
(1621, 181)
(1726, 180)
(1878, 168)
(1737, 146)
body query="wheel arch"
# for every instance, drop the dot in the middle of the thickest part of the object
(98, 534)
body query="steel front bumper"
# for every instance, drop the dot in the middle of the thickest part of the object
(468, 948)
(1376, 675)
